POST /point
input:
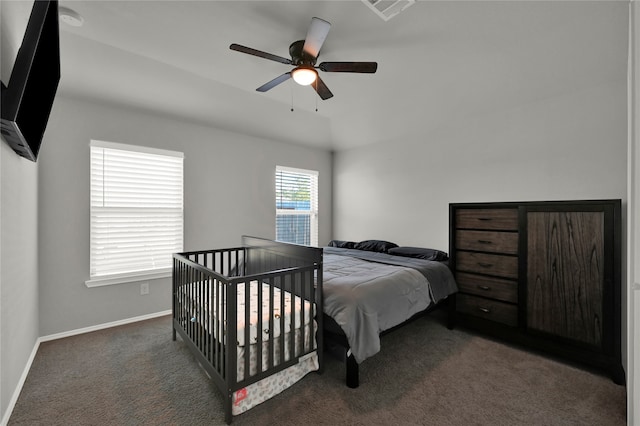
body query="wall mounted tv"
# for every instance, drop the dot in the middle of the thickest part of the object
(28, 98)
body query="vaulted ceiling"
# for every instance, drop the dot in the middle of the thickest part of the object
(438, 61)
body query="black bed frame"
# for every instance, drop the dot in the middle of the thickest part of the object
(211, 277)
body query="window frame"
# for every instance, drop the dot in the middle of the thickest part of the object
(132, 276)
(313, 212)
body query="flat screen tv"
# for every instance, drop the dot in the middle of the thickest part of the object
(28, 98)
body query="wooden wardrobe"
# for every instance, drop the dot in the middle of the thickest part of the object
(543, 274)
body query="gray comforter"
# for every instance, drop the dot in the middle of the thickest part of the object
(367, 293)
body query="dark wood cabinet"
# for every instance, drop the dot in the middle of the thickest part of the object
(543, 274)
(485, 255)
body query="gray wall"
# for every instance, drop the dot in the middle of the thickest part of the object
(18, 233)
(18, 273)
(569, 147)
(228, 191)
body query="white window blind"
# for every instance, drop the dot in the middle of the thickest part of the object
(136, 209)
(297, 206)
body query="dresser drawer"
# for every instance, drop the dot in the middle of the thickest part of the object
(493, 310)
(489, 264)
(498, 219)
(494, 288)
(491, 241)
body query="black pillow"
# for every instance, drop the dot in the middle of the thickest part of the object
(342, 244)
(419, 253)
(375, 245)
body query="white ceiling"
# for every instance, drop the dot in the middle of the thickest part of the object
(438, 61)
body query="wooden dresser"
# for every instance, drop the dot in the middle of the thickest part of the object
(542, 274)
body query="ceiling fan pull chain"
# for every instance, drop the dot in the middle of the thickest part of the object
(291, 87)
(314, 95)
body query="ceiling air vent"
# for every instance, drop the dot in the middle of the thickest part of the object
(387, 9)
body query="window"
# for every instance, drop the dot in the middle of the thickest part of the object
(297, 206)
(136, 219)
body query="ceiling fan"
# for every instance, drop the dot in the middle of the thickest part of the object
(304, 55)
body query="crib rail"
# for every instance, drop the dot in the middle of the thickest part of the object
(208, 288)
(197, 292)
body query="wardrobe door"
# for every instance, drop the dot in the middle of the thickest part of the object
(565, 274)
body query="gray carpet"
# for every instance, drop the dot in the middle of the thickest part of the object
(424, 375)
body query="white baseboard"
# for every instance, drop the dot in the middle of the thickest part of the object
(23, 378)
(102, 326)
(25, 373)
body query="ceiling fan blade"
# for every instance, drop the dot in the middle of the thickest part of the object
(361, 67)
(316, 34)
(322, 89)
(273, 83)
(259, 53)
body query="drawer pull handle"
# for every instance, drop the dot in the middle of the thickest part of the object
(485, 219)
(485, 310)
(484, 287)
(484, 241)
(485, 265)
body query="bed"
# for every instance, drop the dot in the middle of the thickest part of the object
(295, 299)
(248, 314)
(374, 286)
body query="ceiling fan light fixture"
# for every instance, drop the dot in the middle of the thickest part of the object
(304, 75)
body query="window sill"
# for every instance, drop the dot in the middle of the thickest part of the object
(127, 278)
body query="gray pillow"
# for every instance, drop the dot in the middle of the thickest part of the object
(342, 244)
(419, 253)
(375, 245)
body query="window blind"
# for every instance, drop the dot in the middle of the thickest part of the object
(136, 209)
(297, 206)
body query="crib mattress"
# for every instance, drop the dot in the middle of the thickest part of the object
(292, 307)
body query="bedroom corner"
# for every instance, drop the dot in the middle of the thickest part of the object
(19, 239)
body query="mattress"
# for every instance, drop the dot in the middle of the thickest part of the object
(292, 306)
(367, 293)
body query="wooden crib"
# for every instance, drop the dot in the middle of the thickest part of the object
(275, 288)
